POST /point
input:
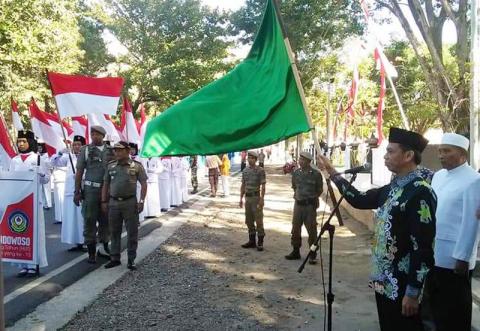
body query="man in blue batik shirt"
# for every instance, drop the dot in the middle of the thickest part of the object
(402, 250)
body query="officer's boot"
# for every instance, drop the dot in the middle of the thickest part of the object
(260, 243)
(294, 255)
(251, 242)
(313, 258)
(92, 248)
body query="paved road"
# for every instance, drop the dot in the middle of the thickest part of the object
(23, 295)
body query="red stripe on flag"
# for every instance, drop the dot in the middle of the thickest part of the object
(37, 113)
(14, 105)
(106, 86)
(5, 141)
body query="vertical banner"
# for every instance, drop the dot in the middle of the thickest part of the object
(18, 216)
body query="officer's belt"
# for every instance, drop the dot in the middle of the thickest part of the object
(92, 184)
(306, 202)
(252, 194)
(122, 198)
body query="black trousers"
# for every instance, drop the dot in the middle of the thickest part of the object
(391, 318)
(451, 300)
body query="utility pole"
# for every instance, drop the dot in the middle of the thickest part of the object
(474, 87)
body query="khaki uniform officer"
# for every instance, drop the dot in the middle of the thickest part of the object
(253, 188)
(119, 197)
(92, 161)
(307, 186)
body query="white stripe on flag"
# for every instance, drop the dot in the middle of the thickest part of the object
(78, 104)
(48, 134)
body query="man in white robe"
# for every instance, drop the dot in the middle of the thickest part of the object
(47, 187)
(177, 169)
(29, 160)
(153, 167)
(164, 183)
(72, 225)
(450, 282)
(59, 175)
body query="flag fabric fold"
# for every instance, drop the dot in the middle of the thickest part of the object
(47, 128)
(6, 150)
(256, 104)
(80, 127)
(17, 122)
(79, 95)
(129, 125)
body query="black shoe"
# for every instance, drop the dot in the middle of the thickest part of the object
(112, 264)
(164, 210)
(260, 243)
(294, 255)
(92, 259)
(57, 222)
(313, 258)
(78, 248)
(194, 191)
(32, 273)
(131, 265)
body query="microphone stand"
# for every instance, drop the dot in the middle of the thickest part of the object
(313, 249)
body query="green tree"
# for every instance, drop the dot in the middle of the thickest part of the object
(174, 47)
(36, 36)
(314, 27)
(448, 87)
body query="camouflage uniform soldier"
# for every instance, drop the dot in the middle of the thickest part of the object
(92, 161)
(307, 185)
(253, 188)
(193, 168)
(119, 197)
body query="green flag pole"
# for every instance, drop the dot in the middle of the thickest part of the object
(296, 74)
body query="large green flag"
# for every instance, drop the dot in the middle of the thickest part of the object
(256, 104)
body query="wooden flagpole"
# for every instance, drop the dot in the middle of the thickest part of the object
(296, 75)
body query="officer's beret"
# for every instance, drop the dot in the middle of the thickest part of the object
(121, 145)
(99, 129)
(253, 153)
(306, 155)
(408, 138)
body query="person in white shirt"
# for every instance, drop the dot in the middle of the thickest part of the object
(177, 169)
(29, 160)
(450, 282)
(46, 187)
(72, 225)
(153, 167)
(164, 182)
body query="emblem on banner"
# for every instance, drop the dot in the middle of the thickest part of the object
(18, 222)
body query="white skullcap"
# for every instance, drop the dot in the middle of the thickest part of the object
(455, 140)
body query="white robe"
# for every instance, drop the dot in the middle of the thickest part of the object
(47, 186)
(183, 176)
(152, 200)
(72, 225)
(177, 169)
(30, 164)
(59, 177)
(449, 186)
(164, 183)
(466, 248)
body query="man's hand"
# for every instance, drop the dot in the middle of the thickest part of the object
(139, 207)
(409, 306)
(261, 202)
(77, 198)
(461, 268)
(241, 204)
(105, 207)
(324, 163)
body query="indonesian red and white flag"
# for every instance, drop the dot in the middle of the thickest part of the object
(142, 125)
(47, 128)
(79, 95)
(105, 122)
(17, 122)
(80, 127)
(129, 124)
(6, 150)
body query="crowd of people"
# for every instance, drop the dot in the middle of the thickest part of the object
(426, 224)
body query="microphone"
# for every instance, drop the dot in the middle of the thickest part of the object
(356, 170)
